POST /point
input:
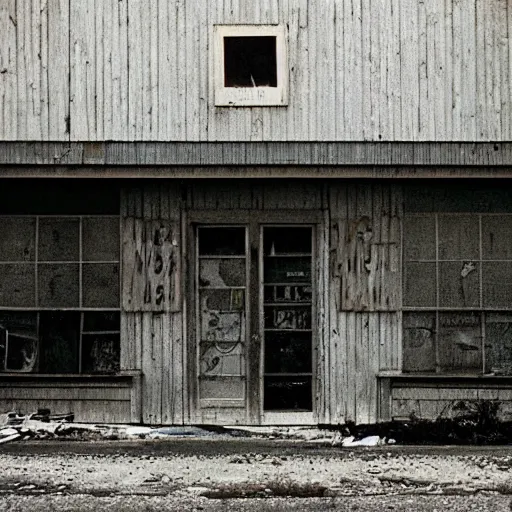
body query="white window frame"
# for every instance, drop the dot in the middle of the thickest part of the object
(251, 96)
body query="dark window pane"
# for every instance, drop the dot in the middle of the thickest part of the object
(101, 321)
(287, 393)
(100, 285)
(19, 342)
(459, 284)
(287, 240)
(281, 317)
(460, 342)
(288, 293)
(17, 238)
(497, 237)
(228, 241)
(222, 273)
(419, 342)
(498, 343)
(458, 237)
(17, 285)
(100, 239)
(287, 270)
(222, 326)
(60, 334)
(100, 353)
(420, 284)
(497, 284)
(58, 285)
(58, 239)
(420, 238)
(250, 61)
(288, 352)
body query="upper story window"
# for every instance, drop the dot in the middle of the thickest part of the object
(250, 65)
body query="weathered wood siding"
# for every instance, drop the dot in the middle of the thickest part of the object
(100, 400)
(153, 339)
(364, 335)
(359, 70)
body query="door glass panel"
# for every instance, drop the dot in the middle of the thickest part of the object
(287, 318)
(221, 306)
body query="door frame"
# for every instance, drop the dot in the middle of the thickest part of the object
(253, 220)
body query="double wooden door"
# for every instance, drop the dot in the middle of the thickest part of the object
(253, 322)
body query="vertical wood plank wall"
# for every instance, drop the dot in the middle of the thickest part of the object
(153, 341)
(361, 342)
(133, 70)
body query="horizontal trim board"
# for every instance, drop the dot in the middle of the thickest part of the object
(257, 153)
(241, 172)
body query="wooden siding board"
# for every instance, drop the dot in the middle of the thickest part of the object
(9, 71)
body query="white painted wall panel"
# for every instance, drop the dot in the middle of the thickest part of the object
(359, 70)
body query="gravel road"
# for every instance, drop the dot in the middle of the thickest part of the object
(246, 475)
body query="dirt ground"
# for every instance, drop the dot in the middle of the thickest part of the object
(250, 474)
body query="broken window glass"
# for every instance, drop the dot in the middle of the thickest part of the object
(100, 353)
(222, 273)
(459, 284)
(18, 341)
(288, 240)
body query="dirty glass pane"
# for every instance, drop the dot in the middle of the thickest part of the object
(419, 238)
(419, 353)
(58, 239)
(287, 270)
(59, 332)
(420, 284)
(222, 388)
(222, 273)
(287, 293)
(287, 393)
(221, 300)
(100, 353)
(287, 240)
(497, 237)
(101, 321)
(288, 352)
(18, 341)
(58, 285)
(498, 343)
(458, 237)
(17, 238)
(459, 284)
(228, 241)
(100, 285)
(281, 317)
(497, 284)
(100, 239)
(17, 285)
(460, 342)
(221, 358)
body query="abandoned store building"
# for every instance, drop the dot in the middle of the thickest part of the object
(255, 212)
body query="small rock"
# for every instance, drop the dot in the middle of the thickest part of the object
(165, 479)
